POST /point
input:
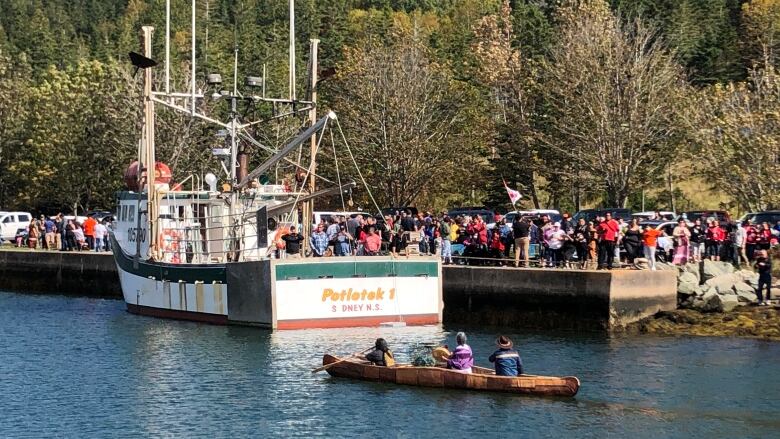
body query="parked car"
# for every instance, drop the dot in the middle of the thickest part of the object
(591, 214)
(554, 215)
(101, 215)
(487, 215)
(392, 210)
(768, 216)
(665, 215)
(692, 215)
(10, 222)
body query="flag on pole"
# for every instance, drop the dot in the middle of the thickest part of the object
(514, 196)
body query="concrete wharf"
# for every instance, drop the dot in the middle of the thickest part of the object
(491, 296)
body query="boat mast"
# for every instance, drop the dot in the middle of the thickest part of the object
(148, 162)
(309, 207)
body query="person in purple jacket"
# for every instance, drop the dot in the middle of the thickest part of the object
(462, 358)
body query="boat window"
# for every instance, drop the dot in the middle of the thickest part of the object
(8, 219)
(24, 218)
(131, 213)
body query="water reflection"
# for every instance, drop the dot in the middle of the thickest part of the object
(80, 367)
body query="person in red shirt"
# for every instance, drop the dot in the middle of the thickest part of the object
(373, 242)
(715, 238)
(480, 229)
(608, 233)
(650, 241)
(497, 246)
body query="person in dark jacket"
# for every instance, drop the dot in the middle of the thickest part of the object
(381, 355)
(764, 266)
(508, 362)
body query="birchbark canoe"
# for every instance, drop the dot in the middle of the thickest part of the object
(480, 378)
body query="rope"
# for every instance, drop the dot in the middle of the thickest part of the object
(338, 176)
(349, 150)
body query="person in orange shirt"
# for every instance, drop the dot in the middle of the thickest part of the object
(89, 231)
(650, 241)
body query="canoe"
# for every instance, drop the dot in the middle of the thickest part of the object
(480, 378)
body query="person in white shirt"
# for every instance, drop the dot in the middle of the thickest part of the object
(101, 231)
(740, 243)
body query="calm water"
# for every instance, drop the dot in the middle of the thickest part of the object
(74, 367)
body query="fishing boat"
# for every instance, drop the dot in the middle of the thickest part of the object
(208, 247)
(480, 378)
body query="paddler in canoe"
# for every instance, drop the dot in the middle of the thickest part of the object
(508, 361)
(462, 359)
(381, 355)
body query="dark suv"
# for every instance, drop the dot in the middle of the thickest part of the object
(591, 214)
(768, 216)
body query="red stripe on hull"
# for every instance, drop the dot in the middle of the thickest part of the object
(351, 322)
(176, 314)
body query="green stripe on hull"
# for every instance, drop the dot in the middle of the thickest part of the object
(171, 272)
(351, 268)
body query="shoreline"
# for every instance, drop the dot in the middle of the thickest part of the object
(757, 322)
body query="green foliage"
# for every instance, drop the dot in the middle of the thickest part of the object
(69, 110)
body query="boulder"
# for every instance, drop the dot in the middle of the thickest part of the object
(687, 278)
(750, 277)
(727, 303)
(747, 296)
(711, 270)
(684, 301)
(720, 303)
(665, 266)
(716, 268)
(724, 284)
(687, 289)
(693, 268)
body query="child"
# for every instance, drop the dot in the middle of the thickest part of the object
(764, 266)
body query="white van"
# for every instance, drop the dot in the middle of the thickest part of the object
(10, 222)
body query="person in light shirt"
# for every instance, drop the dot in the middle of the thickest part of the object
(100, 232)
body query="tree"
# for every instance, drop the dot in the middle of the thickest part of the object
(13, 115)
(761, 21)
(613, 94)
(411, 126)
(739, 135)
(511, 81)
(81, 134)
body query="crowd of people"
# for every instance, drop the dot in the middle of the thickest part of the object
(603, 243)
(64, 234)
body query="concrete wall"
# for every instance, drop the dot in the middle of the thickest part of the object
(566, 299)
(71, 273)
(496, 296)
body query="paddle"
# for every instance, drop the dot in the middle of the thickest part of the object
(321, 368)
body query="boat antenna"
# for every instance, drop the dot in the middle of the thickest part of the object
(292, 50)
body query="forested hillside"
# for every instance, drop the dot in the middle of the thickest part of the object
(574, 102)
